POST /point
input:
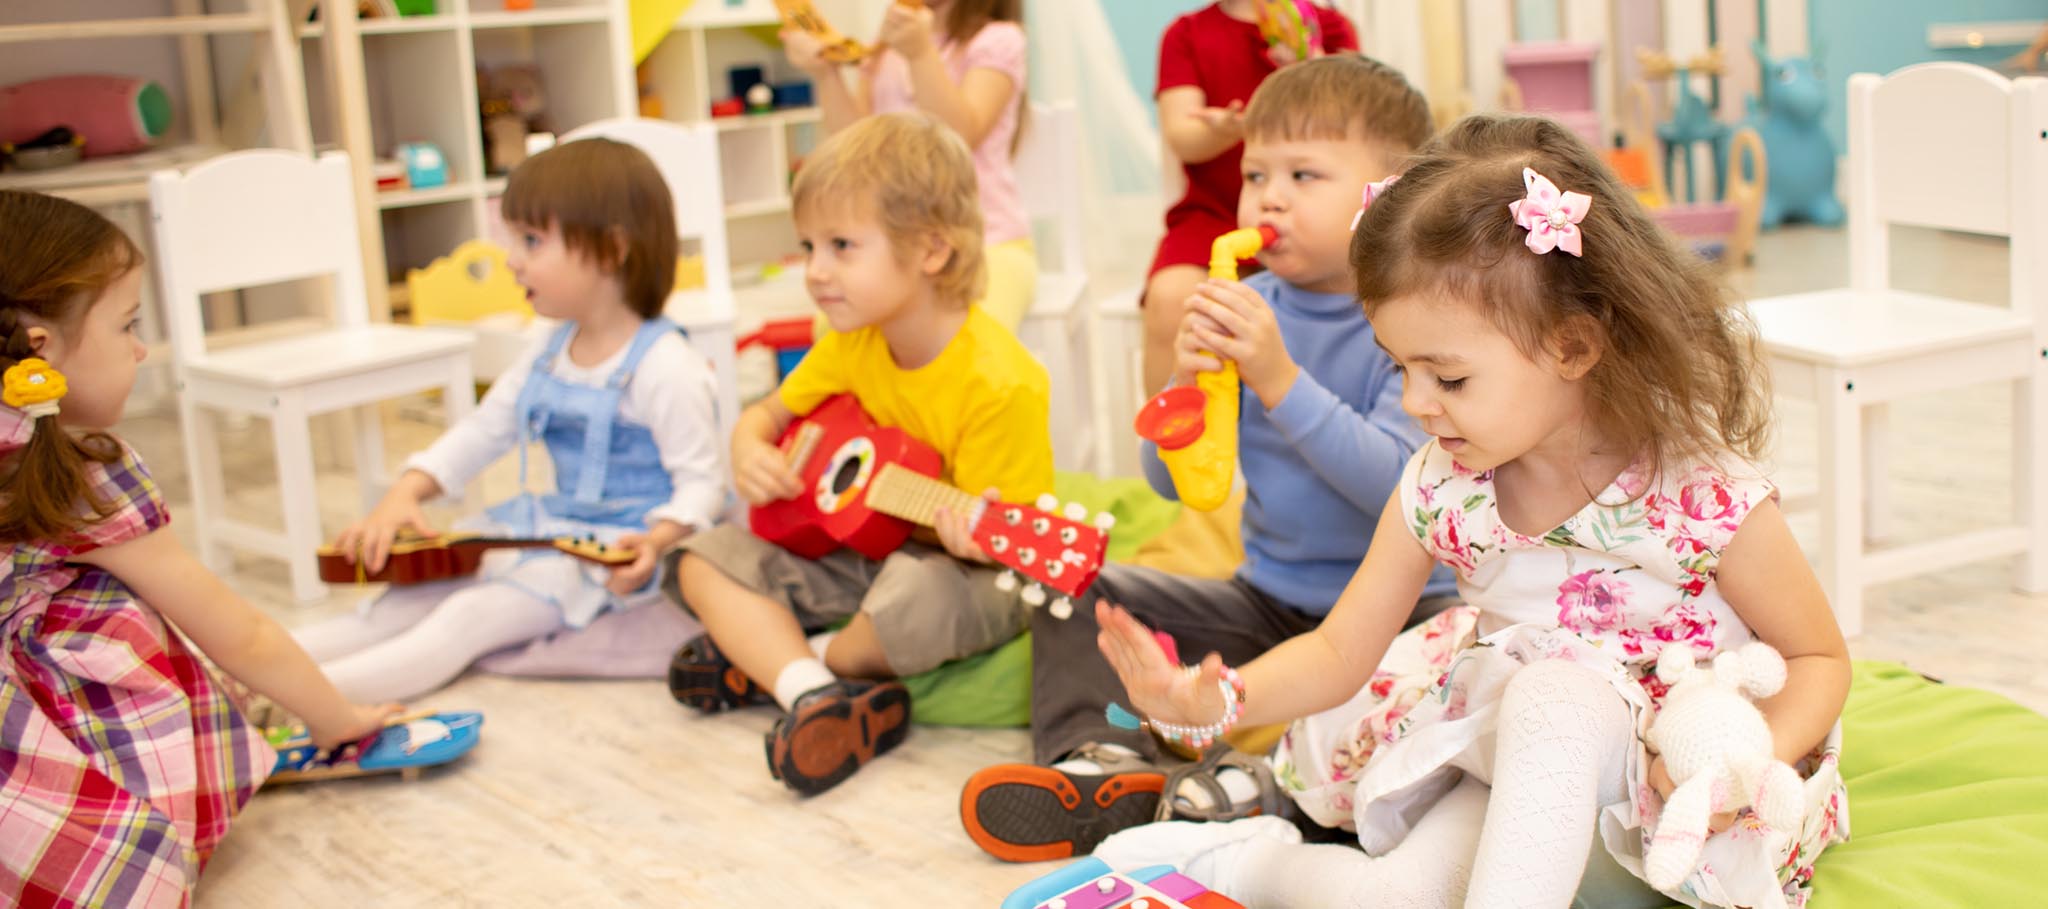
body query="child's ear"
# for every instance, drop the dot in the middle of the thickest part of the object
(38, 339)
(937, 253)
(615, 237)
(1577, 347)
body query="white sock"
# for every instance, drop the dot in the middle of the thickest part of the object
(821, 642)
(798, 677)
(1087, 767)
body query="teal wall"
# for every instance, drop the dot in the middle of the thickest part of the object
(1878, 36)
(1138, 25)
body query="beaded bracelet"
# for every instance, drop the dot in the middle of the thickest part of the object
(1201, 737)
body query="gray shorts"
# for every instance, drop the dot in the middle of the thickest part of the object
(927, 607)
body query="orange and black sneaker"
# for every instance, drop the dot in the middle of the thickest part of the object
(703, 678)
(1033, 813)
(834, 729)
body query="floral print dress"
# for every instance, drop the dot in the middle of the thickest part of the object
(1610, 588)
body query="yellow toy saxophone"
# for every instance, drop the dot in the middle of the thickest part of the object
(1196, 426)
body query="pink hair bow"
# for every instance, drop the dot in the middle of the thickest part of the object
(1551, 217)
(1373, 191)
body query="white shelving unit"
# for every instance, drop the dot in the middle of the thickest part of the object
(377, 83)
(687, 72)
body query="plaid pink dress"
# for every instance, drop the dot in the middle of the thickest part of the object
(122, 760)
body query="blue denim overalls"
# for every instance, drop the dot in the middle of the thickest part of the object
(608, 475)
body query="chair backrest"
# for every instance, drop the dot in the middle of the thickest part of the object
(1048, 166)
(250, 218)
(687, 157)
(1951, 146)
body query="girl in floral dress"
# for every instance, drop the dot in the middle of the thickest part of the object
(1596, 406)
(122, 761)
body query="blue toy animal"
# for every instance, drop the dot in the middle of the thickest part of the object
(1802, 155)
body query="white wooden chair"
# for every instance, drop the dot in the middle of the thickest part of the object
(1059, 326)
(1120, 345)
(253, 218)
(1950, 146)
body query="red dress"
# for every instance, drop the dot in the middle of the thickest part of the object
(1226, 59)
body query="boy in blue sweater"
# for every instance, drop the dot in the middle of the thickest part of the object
(1322, 440)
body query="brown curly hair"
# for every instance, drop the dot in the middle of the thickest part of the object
(1678, 375)
(56, 258)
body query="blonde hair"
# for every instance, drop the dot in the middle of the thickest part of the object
(1340, 96)
(913, 175)
(1678, 375)
(56, 258)
(603, 195)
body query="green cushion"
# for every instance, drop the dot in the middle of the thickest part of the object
(1948, 797)
(994, 688)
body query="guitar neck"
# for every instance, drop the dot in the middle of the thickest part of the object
(904, 493)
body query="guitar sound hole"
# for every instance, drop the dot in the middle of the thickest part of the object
(842, 479)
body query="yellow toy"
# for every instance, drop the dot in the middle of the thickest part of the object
(466, 285)
(1195, 425)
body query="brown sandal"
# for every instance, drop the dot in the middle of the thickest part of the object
(834, 729)
(1203, 773)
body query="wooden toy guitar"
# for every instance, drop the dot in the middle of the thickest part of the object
(1090, 884)
(866, 485)
(416, 560)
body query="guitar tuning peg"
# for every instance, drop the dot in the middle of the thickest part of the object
(1034, 595)
(1104, 521)
(1062, 609)
(1075, 511)
(1048, 502)
(1006, 582)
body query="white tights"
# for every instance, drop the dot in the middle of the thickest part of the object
(416, 639)
(1525, 841)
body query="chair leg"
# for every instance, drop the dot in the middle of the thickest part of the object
(1841, 530)
(368, 429)
(203, 472)
(293, 441)
(2029, 481)
(1877, 511)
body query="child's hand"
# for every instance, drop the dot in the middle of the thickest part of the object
(1660, 779)
(1239, 326)
(1159, 690)
(762, 474)
(368, 541)
(1227, 121)
(632, 576)
(907, 28)
(361, 721)
(957, 536)
(805, 52)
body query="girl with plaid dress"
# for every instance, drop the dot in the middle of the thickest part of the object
(122, 760)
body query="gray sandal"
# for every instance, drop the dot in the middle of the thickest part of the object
(1203, 773)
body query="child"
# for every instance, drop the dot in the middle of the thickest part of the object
(1321, 440)
(962, 62)
(124, 759)
(618, 397)
(1596, 403)
(1210, 61)
(886, 212)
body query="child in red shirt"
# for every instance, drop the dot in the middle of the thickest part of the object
(1210, 60)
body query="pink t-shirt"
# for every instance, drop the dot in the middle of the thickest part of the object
(998, 46)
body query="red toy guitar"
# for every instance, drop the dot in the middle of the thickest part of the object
(867, 485)
(416, 560)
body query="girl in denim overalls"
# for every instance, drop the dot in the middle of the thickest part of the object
(622, 404)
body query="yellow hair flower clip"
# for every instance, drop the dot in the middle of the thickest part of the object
(34, 386)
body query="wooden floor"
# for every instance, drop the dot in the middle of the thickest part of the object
(610, 794)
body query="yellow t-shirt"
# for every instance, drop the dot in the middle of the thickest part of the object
(984, 402)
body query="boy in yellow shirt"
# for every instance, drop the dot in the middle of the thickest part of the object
(891, 229)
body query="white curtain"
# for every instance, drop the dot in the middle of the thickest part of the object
(1074, 57)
